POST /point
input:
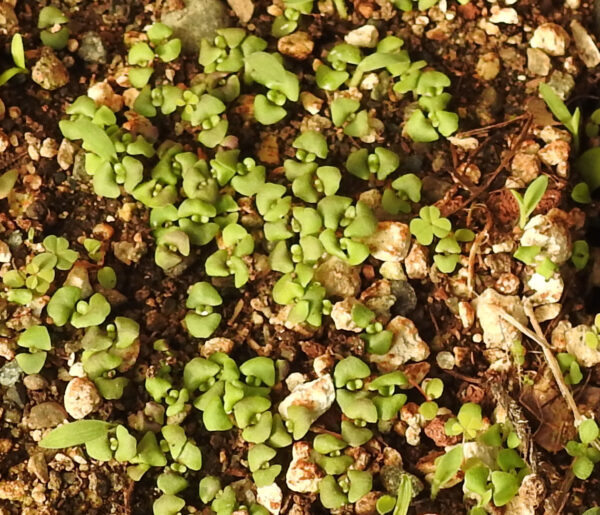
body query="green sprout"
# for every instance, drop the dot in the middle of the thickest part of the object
(562, 113)
(202, 299)
(532, 197)
(446, 467)
(585, 453)
(238, 244)
(263, 473)
(569, 366)
(430, 223)
(55, 33)
(37, 341)
(59, 246)
(381, 162)
(282, 84)
(468, 421)
(18, 56)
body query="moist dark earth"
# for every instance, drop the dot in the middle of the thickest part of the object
(500, 108)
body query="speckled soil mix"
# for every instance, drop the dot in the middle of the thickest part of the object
(489, 329)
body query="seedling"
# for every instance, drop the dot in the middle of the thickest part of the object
(569, 366)
(529, 201)
(585, 453)
(468, 422)
(225, 262)
(562, 113)
(430, 223)
(18, 56)
(37, 340)
(283, 85)
(55, 32)
(381, 163)
(446, 467)
(202, 299)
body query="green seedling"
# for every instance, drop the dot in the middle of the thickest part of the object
(430, 223)
(585, 453)
(18, 56)
(7, 182)
(54, 33)
(403, 191)
(238, 243)
(562, 113)
(40, 272)
(90, 313)
(263, 472)
(381, 163)
(468, 421)
(37, 340)
(446, 467)
(59, 246)
(569, 366)
(532, 197)
(202, 299)
(283, 85)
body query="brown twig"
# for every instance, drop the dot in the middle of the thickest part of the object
(538, 337)
(503, 164)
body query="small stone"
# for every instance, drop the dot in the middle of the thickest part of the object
(310, 102)
(46, 414)
(209, 347)
(547, 312)
(5, 253)
(91, 48)
(506, 15)
(488, 66)
(577, 346)
(317, 396)
(587, 48)
(445, 360)
(390, 241)
(128, 252)
(416, 262)
(78, 277)
(297, 45)
(538, 63)
(198, 19)
(466, 314)
(341, 314)
(366, 36)
(392, 270)
(405, 296)
(49, 148)
(81, 398)
(497, 332)
(270, 497)
(551, 38)
(524, 168)
(556, 154)
(406, 345)
(551, 234)
(9, 373)
(12, 490)
(531, 495)
(35, 382)
(9, 23)
(66, 154)
(562, 83)
(243, 9)
(49, 72)
(338, 278)
(38, 467)
(103, 94)
(547, 291)
(303, 474)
